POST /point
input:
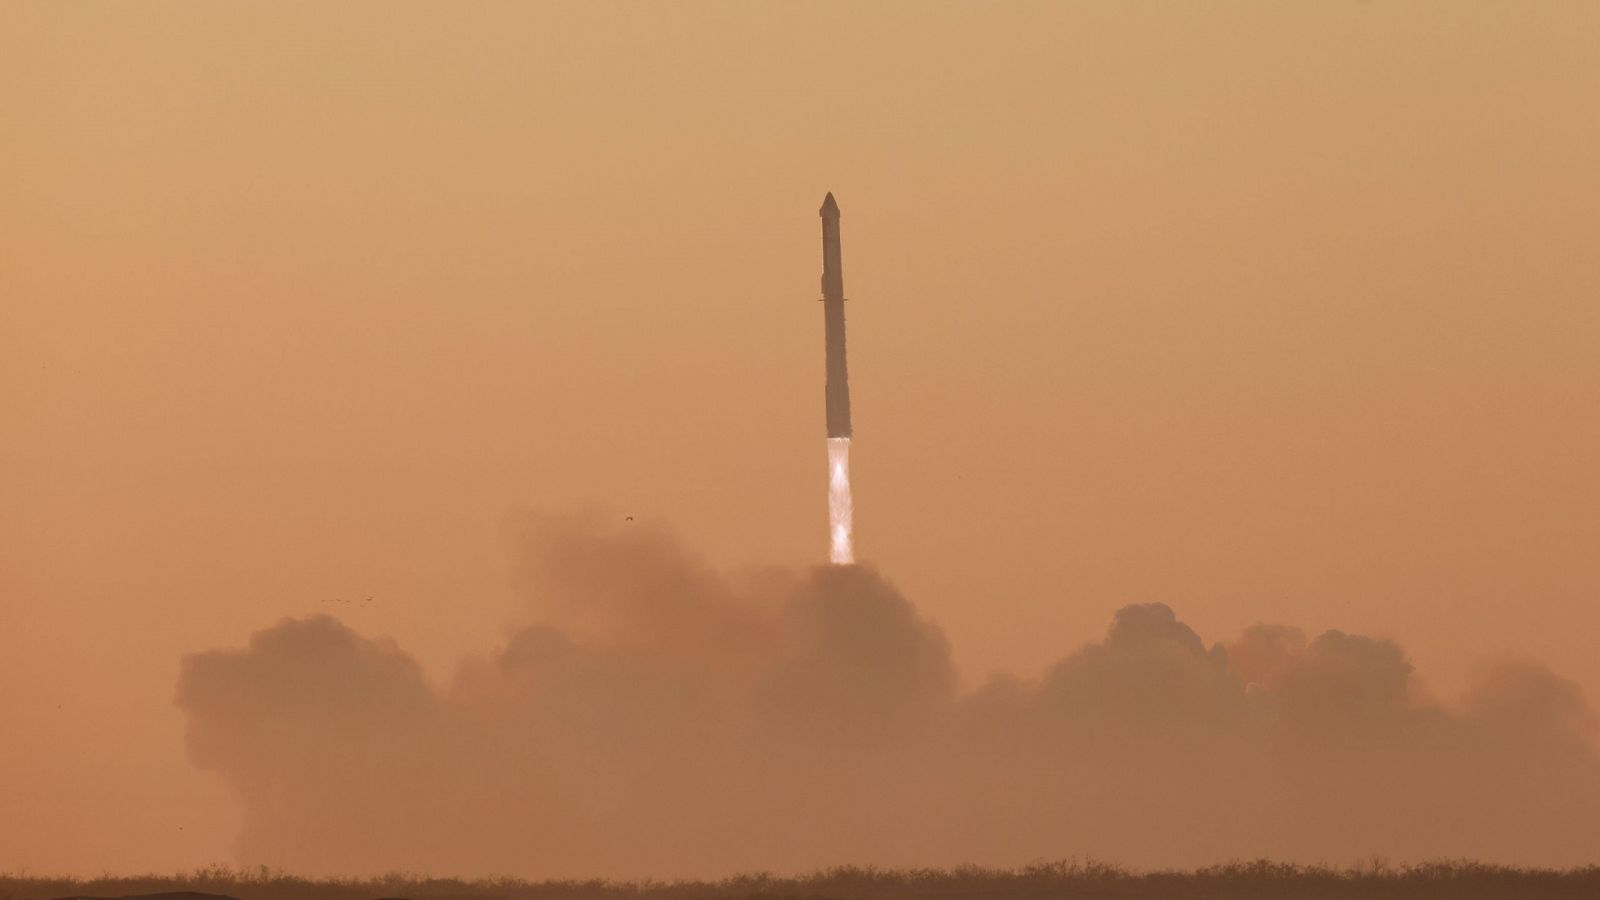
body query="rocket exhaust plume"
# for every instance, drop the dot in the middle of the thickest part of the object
(840, 550)
(840, 505)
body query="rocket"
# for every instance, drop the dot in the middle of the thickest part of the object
(838, 386)
(841, 508)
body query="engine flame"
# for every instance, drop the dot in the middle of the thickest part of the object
(841, 552)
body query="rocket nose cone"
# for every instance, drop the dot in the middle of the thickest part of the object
(829, 208)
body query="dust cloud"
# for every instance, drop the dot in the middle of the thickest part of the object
(664, 719)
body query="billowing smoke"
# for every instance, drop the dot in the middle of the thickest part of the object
(841, 508)
(666, 719)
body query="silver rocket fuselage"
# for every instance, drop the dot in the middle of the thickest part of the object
(838, 386)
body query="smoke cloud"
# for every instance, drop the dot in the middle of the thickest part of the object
(664, 719)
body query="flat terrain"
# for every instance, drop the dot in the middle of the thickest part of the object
(1262, 879)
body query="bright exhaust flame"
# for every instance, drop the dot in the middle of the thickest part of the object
(840, 507)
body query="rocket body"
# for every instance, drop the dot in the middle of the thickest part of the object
(838, 384)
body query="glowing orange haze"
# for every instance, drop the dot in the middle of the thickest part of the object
(1271, 312)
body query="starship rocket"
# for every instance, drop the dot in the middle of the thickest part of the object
(838, 386)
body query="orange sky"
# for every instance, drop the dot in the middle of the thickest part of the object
(1266, 311)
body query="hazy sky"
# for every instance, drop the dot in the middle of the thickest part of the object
(1266, 311)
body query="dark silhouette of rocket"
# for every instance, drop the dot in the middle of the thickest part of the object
(838, 386)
